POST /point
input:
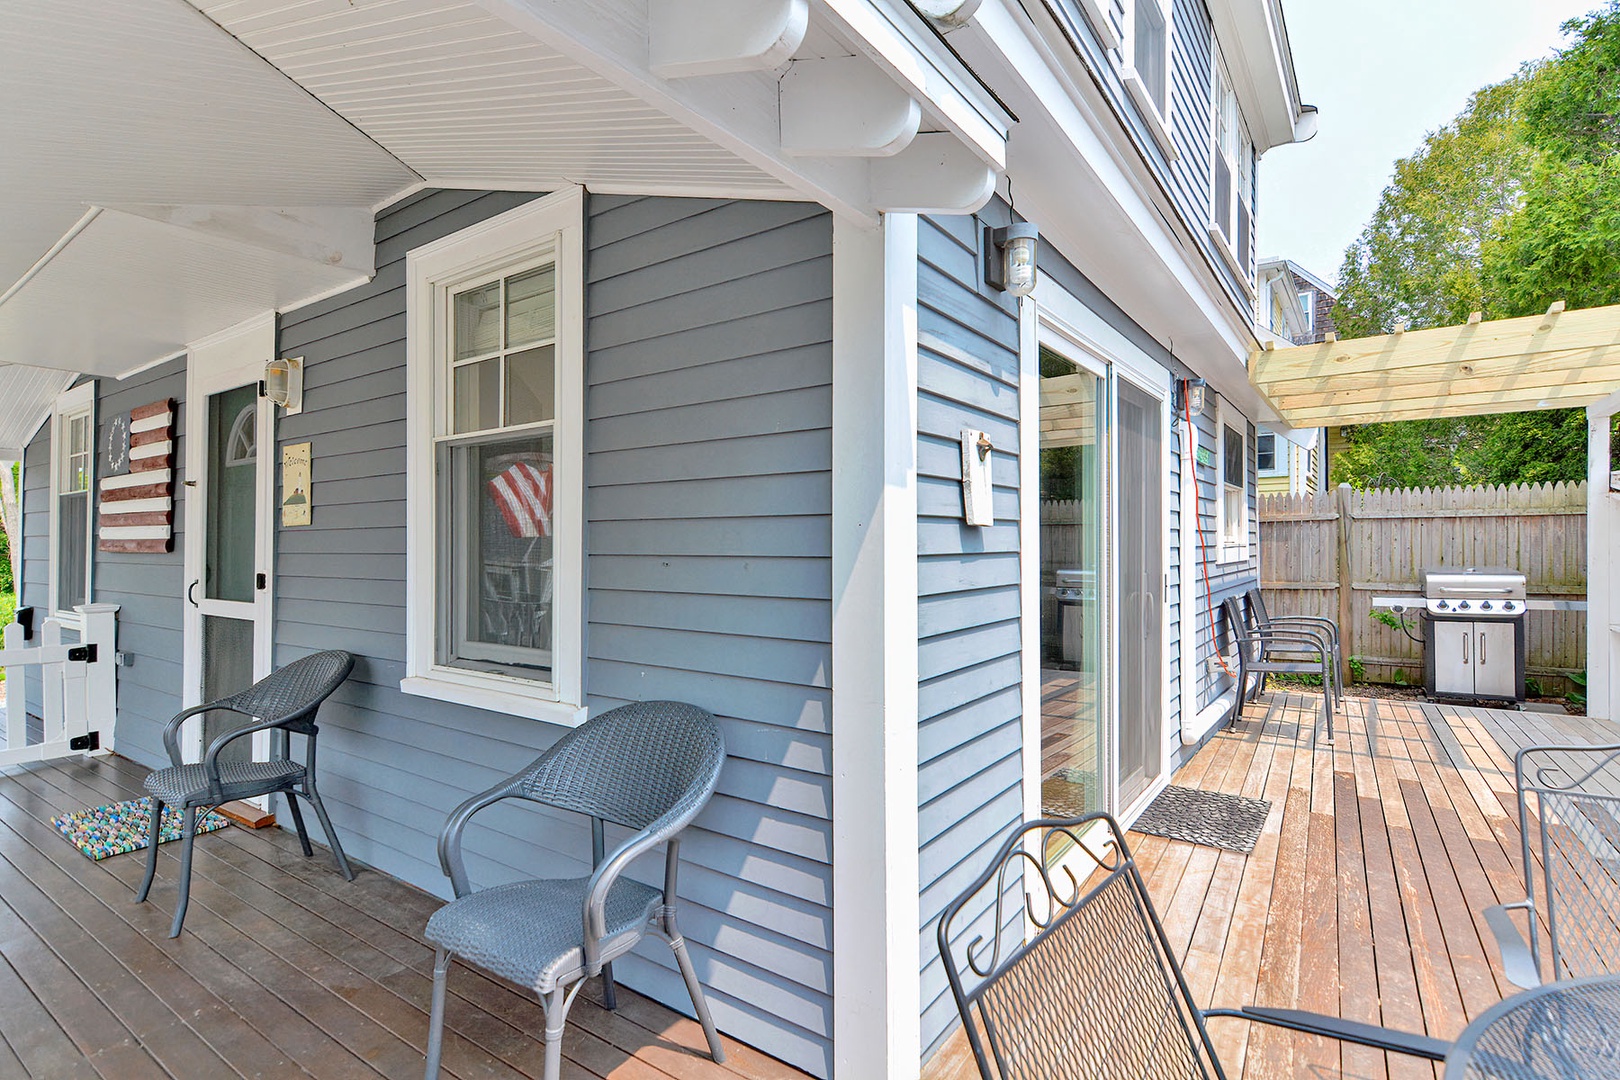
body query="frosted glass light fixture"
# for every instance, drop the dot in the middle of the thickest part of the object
(284, 383)
(1010, 258)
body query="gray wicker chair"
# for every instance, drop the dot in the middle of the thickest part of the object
(1096, 992)
(650, 766)
(285, 700)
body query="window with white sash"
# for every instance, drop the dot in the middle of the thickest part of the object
(1232, 205)
(496, 463)
(1145, 56)
(1232, 465)
(73, 466)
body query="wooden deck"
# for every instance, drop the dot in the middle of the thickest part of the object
(284, 969)
(1365, 895)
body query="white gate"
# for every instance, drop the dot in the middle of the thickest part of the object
(80, 688)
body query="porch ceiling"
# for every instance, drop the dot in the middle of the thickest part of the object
(1562, 359)
(28, 393)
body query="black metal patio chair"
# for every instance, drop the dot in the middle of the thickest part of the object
(1095, 993)
(1569, 820)
(1294, 651)
(649, 766)
(1315, 624)
(285, 700)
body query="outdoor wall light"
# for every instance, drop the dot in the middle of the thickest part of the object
(284, 383)
(1193, 395)
(1010, 258)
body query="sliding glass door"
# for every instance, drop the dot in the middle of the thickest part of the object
(1141, 590)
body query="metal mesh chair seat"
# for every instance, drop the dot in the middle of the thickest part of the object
(528, 932)
(285, 701)
(649, 766)
(188, 783)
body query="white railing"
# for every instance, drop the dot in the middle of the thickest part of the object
(78, 684)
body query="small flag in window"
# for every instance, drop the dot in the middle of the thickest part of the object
(522, 493)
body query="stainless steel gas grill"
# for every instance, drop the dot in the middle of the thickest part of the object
(1474, 633)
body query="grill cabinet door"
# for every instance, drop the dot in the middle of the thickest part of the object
(1453, 657)
(1495, 664)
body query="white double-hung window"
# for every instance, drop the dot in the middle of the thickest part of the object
(1146, 58)
(1233, 463)
(1232, 198)
(73, 466)
(495, 496)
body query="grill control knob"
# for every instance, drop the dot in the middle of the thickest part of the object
(1507, 605)
(1441, 605)
(1462, 605)
(1485, 605)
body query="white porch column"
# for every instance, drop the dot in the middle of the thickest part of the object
(1602, 547)
(876, 961)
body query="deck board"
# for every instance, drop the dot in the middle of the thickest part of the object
(1365, 894)
(283, 970)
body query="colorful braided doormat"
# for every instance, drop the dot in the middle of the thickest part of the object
(104, 831)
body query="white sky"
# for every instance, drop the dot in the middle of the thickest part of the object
(1385, 73)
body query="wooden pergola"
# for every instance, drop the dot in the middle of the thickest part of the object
(1559, 360)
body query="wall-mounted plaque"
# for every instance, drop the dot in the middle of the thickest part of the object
(295, 505)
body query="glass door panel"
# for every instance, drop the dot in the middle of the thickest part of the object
(232, 505)
(227, 667)
(1074, 728)
(1141, 590)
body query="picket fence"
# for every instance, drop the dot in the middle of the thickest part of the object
(1329, 553)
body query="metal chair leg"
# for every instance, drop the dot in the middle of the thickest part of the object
(610, 997)
(700, 1004)
(188, 833)
(298, 823)
(441, 970)
(331, 833)
(556, 1004)
(154, 831)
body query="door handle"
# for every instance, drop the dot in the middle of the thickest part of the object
(189, 590)
(1482, 646)
(1465, 647)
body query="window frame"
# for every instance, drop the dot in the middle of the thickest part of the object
(1160, 119)
(71, 404)
(1307, 306)
(434, 272)
(1241, 195)
(1279, 462)
(1231, 552)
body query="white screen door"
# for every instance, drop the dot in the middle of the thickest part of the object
(229, 488)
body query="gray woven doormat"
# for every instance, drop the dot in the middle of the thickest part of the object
(1212, 818)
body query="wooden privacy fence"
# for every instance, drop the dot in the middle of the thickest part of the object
(1331, 552)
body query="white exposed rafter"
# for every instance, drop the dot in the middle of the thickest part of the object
(720, 37)
(845, 106)
(936, 174)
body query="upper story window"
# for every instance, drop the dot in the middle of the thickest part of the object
(1307, 304)
(1232, 202)
(73, 463)
(1146, 53)
(495, 537)
(1266, 461)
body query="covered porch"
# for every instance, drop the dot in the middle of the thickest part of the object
(1365, 895)
(284, 970)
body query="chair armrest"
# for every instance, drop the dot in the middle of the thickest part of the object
(1518, 961)
(1326, 626)
(211, 756)
(171, 730)
(1291, 638)
(1382, 1038)
(450, 836)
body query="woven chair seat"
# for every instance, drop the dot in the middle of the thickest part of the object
(189, 783)
(529, 931)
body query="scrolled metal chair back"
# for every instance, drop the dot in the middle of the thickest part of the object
(646, 762)
(1095, 992)
(1575, 800)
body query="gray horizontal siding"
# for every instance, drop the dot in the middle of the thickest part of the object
(970, 739)
(1225, 579)
(708, 509)
(1187, 178)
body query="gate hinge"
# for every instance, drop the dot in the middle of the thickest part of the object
(88, 742)
(83, 653)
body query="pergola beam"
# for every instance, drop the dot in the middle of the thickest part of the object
(1556, 360)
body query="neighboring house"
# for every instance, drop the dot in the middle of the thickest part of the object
(1296, 308)
(723, 287)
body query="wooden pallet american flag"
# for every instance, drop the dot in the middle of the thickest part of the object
(137, 508)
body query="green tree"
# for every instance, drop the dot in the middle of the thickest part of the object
(1513, 205)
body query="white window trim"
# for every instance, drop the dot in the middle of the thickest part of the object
(1160, 123)
(1280, 463)
(1102, 25)
(1223, 244)
(78, 399)
(1230, 553)
(555, 222)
